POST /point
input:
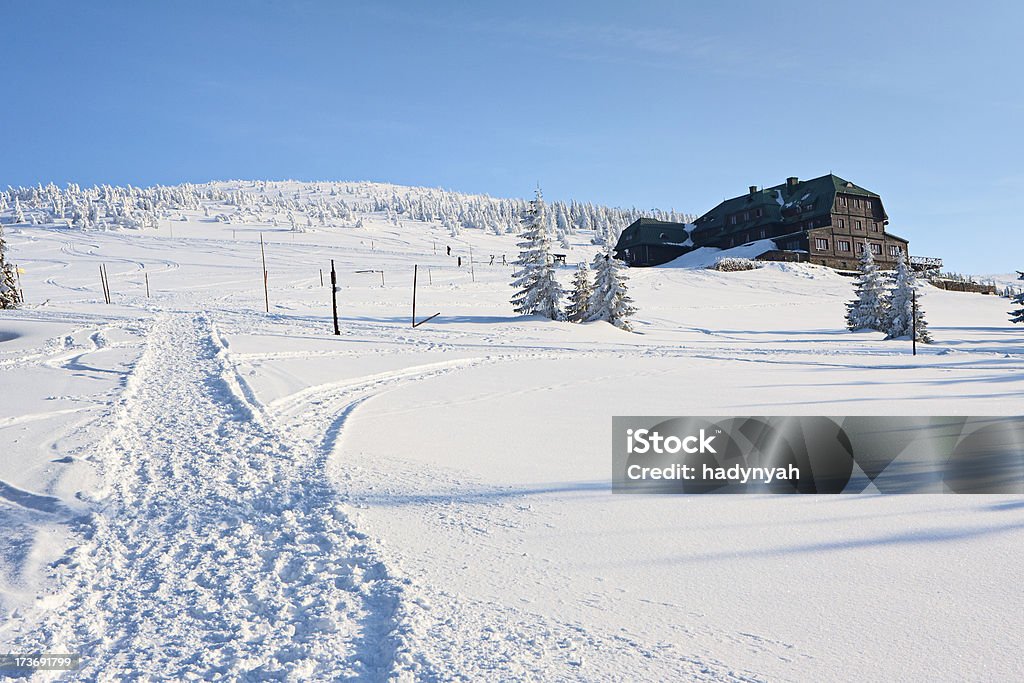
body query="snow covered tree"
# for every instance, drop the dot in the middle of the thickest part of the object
(900, 309)
(579, 298)
(609, 301)
(9, 297)
(1017, 314)
(867, 311)
(537, 288)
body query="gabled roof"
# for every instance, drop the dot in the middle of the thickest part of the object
(652, 231)
(807, 199)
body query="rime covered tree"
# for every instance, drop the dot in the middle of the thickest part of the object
(902, 316)
(537, 288)
(867, 311)
(9, 297)
(579, 298)
(609, 300)
(1017, 314)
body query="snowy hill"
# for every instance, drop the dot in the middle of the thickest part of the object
(194, 486)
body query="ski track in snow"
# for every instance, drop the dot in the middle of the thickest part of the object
(217, 549)
(452, 637)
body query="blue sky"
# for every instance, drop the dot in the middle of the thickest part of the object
(667, 104)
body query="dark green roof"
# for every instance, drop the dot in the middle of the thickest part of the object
(807, 199)
(651, 231)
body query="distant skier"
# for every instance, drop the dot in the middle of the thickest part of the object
(503, 261)
(460, 262)
(449, 250)
(492, 259)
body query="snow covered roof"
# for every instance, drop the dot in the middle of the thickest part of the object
(788, 202)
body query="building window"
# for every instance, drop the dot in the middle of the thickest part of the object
(732, 220)
(842, 223)
(876, 248)
(842, 200)
(860, 247)
(746, 215)
(859, 225)
(874, 227)
(894, 250)
(821, 244)
(844, 245)
(856, 203)
(763, 233)
(759, 213)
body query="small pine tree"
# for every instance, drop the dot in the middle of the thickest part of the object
(1017, 314)
(867, 311)
(9, 297)
(579, 299)
(537, 288)
(902, 315)
(610, 301)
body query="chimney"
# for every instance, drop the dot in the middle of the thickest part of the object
(753, 189)
(792, 181)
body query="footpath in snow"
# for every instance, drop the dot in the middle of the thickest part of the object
(218, 549)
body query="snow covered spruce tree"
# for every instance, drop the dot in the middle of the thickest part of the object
(867, 311)
(9, 297)
(1017, 314)
(900, 310)
(537, 288)
(609, 301)
(579, 298)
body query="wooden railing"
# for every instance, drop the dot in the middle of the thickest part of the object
(925, 263)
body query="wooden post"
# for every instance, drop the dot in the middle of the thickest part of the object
(321, 277)
(382, 278)
(415, 270)
(472, 273)
(266, 289)
(334, 296)
(913, 334)
(430, 278)
(147, 285)
(106, 282)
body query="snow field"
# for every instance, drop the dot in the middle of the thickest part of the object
(195, 488)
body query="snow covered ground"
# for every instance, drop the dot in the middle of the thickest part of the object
(192, 487)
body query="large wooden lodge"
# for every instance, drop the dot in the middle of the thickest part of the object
(825, 220)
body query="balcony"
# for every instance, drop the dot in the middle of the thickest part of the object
(925, 263)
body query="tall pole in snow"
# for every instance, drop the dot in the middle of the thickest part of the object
(415, 271)
(266, 290)
(334, 296)
(913, 307)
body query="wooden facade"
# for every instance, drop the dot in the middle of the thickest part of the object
(826, 220)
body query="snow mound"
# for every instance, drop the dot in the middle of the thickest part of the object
(707, 256)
